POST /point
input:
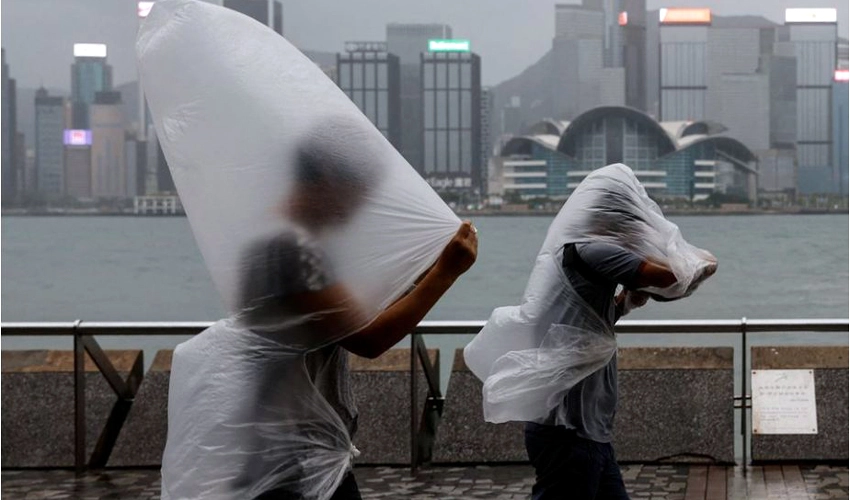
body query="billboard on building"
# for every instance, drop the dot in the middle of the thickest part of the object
(77, 137)
(811, 15)
(89, 50)
(684, 16)
(448, 46)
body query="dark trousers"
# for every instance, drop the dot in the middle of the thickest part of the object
(568, 466)
(347, 490)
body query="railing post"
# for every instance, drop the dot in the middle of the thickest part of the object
(744, 406)
(79, 401)
(414, 425)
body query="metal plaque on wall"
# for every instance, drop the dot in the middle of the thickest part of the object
(784, 402)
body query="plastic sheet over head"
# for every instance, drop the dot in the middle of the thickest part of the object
(310, 223)
(529, 356)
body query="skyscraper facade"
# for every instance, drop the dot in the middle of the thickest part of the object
(840, 113)
(580, 78)
(109, 176)
(49, 149)
(451, 91)
(814, 35)
(90, 74)
(78, 163)
(408, 42)
(631, 25)
(9, 168)
(683, 62)
(486, 134)
(369, 75)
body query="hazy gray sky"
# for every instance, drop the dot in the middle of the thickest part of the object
(508, 34)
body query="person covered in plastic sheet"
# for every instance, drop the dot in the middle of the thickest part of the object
(603, 251)
(576, 459)
(294, 411)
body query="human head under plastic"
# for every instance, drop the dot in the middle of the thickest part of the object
(336, 168)
(618, 208)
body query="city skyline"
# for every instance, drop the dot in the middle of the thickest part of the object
(29, 35)
(710, 66)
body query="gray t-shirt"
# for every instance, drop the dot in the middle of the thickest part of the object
(275, 269)
(594, 271)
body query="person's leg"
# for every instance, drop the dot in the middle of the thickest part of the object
(347, 489)
(611, 485)
(564, 464)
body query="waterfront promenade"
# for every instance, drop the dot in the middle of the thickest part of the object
(668, 482)
(691, 394)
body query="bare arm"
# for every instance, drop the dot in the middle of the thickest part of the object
(654, 273)
(336, 309)
(402, 317)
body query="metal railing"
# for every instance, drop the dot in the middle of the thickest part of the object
(422, 428)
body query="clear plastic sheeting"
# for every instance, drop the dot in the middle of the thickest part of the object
(310, 224)
(529, 356)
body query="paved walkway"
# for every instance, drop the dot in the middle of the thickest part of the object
(651, 482)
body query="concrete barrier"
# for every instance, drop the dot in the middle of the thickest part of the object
(38, 405)
(831, 398)
(382, 393)
(142, 439)
(463, 435)
(675, 404)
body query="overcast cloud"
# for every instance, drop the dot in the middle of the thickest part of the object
(509, 35)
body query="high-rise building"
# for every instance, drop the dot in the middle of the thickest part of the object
(652, 65)
(778, 163)
(631, 24)
(840, 132)
(49, 149)
(259, 10)
(109, 175)
(814, 35)
(30, 174)
(78, 163)
(369, 75)
(131, 157)
(408, 42)
(580, 80)
(742, 69)
(20, 159)
(141, 167)
(164, 181)
(90, 74)
(777, 171)
(486, 133)
(781, 69)
(451, 94)
(734, 71)
(732, 59)
(683, 62)
(9, 134)
(158, 178)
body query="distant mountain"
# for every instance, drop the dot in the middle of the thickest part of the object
(533, 87)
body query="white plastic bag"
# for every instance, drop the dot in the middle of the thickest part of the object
(293, 197)
(529, 356)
